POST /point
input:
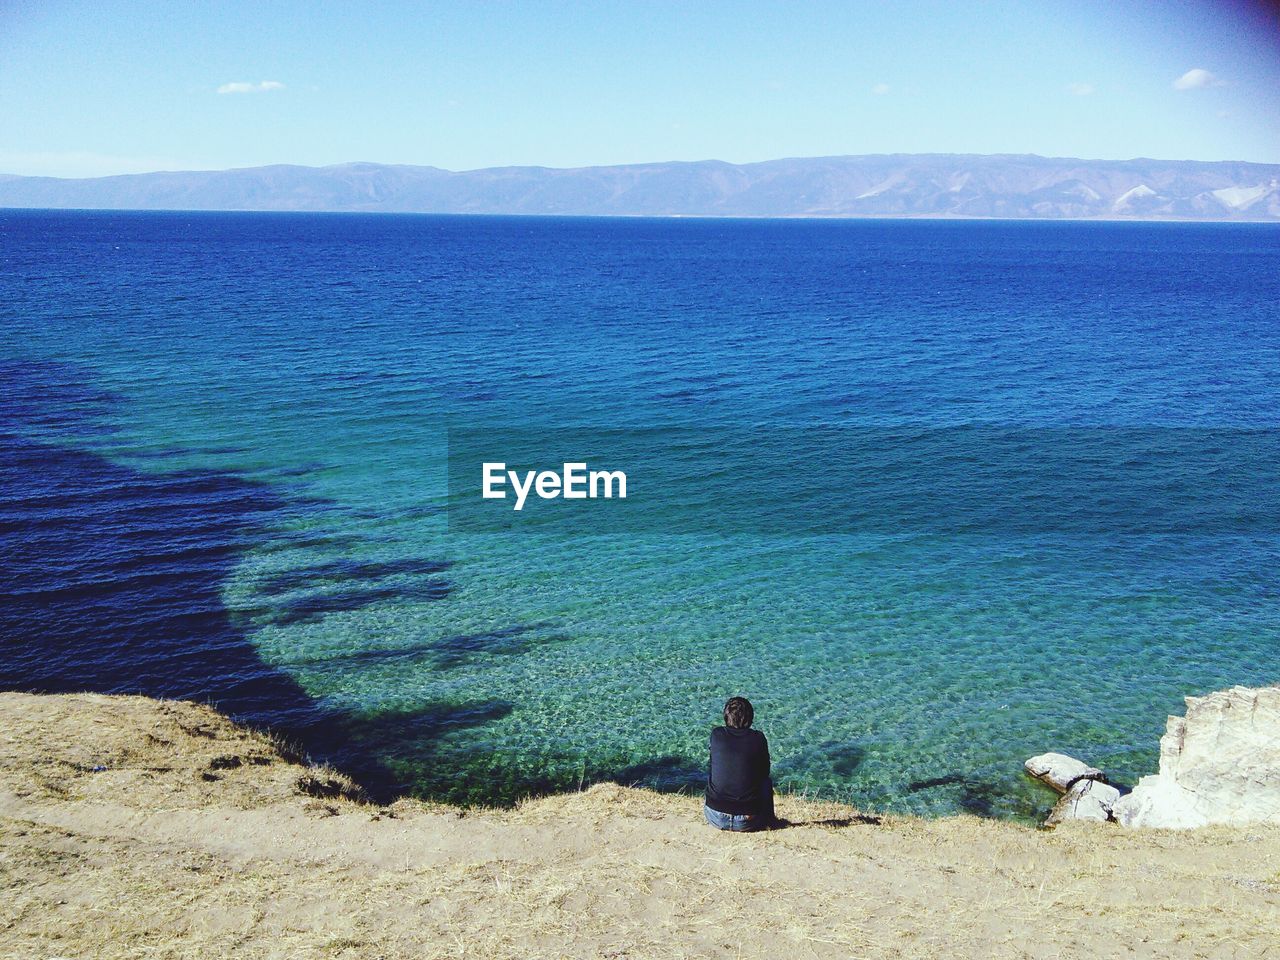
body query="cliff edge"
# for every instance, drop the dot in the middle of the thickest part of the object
(1218, 764)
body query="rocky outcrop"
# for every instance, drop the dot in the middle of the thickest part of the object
(1086, 799)
(1085, 792)
(1061, 771)
(1218, 764)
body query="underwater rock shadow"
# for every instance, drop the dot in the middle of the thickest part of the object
(668, 774)
(53, 396)
(414, 735)
(313, 607)
(112, 583)
(111, 579)
(974, 796)
(447, 652)
(346, 570)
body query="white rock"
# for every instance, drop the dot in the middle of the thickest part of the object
(1060, 771)
(1219, 764)
(1086, 800)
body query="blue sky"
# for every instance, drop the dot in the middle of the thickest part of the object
(112, 87)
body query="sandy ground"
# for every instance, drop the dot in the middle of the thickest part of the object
(136, 828)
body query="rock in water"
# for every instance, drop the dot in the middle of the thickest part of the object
(1085, 800)
(1219, 764)
(1060, 771)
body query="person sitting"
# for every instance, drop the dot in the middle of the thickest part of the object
(739, 791)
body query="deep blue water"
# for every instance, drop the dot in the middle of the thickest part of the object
(223, 452)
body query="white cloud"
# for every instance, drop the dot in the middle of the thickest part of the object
(1081, 89)
(880, 89)
(1196, 79)
(241, 87)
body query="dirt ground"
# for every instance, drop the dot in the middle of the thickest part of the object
(137, 828)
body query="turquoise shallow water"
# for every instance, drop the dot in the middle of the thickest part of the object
(225, 476)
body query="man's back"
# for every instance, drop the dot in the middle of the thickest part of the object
(738, 779)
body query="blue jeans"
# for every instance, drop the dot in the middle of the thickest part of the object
(737, 822)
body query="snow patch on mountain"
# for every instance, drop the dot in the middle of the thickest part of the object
(1239, 198)
(1127, 199)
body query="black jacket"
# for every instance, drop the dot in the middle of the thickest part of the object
(738, 776)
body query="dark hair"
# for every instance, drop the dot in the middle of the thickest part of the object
(738, 713)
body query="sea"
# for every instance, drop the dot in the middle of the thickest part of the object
(229, 448)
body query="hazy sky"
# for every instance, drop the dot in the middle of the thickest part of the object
(112, 87)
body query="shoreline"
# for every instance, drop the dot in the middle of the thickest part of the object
(131, 826)
(792, 217)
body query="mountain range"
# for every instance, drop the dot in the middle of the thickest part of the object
(890, 185)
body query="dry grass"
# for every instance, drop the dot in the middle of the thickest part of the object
(148, 858)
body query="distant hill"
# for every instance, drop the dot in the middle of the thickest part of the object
(895, 185)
